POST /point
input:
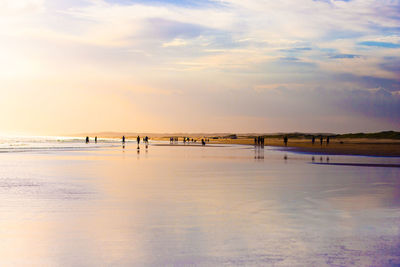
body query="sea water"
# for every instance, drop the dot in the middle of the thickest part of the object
(67, 203)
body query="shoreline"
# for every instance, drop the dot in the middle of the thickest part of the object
(353, 151)
(356, 147)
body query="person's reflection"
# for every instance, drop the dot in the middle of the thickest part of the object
(259, 153)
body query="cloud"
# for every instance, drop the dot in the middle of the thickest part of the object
(289, 58)
(392, 64)
(20, 7)
(212, 53)
(169, 29)
(175, 42)
(369, 82)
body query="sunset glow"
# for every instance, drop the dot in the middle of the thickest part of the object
(69, 66)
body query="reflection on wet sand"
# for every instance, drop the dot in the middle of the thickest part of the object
(189, 206)
(361, 164)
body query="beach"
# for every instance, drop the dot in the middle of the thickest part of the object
(353, 146)
(64, 202)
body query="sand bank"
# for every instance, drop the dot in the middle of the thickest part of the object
(364, 147)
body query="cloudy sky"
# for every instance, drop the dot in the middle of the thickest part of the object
(70, 66)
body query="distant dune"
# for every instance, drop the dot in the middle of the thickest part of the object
(392, 135)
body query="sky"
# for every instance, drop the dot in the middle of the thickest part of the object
(75, 66)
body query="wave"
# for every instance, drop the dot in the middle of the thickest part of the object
(45, 143)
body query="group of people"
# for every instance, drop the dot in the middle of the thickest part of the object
(187, 139)
(320, 159)
(173, 140)
(259, 141)
(321, 140)
(87, 139)
(145, 140)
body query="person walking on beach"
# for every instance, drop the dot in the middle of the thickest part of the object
(123, 139)
(321, 140)
(313, 140)
(95, 139)
(327, 140)
(285, 140)
(203, 142)
(87, 139)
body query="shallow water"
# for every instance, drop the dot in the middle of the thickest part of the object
(102, 205)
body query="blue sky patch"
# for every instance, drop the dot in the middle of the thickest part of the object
(344, 56)
(380, 44)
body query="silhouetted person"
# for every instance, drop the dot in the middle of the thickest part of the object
(321, 140)
(123, 139)
(138, 142)
(95, 139)
(313, 140)
(285, 140)
(203, 142)
(87, 139)
(327, 140)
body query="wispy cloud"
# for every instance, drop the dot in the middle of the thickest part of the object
(215, 47)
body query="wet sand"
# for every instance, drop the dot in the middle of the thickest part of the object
(221, 205)
(361, 147)
(187, 144)
(360, 164)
